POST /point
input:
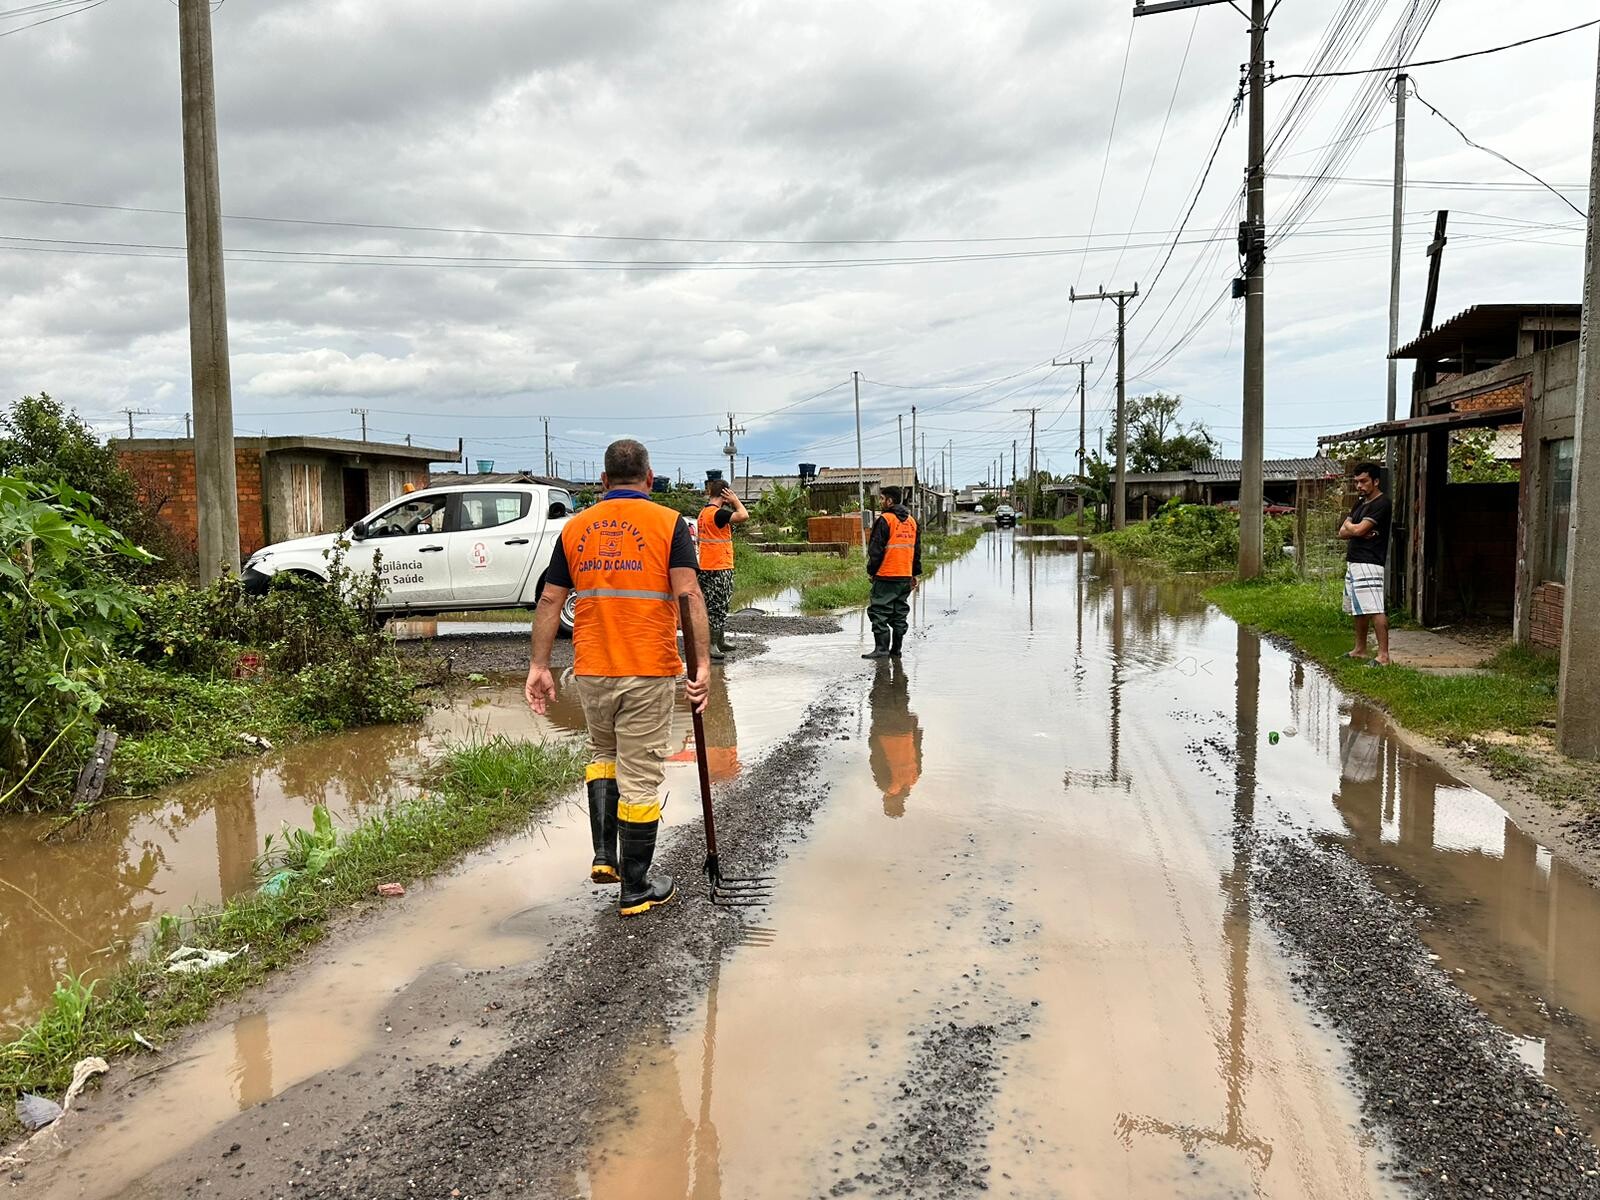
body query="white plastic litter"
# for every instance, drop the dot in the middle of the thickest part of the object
(86, 1070)
(187, 960)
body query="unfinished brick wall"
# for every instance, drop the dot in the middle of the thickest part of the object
(1507, 395)
(165, 479)
(1545, 617)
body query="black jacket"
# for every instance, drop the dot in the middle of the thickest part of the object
(878, 542)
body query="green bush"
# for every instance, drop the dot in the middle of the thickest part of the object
(1196, 537)
(61, 608)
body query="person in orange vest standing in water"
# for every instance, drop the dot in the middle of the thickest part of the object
(894, 743)
(723, 510)
(894, 560)
(631, 561)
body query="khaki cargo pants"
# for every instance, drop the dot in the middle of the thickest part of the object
(630, 731)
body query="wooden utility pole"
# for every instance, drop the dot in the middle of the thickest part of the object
(861, 483)
(1396, 238)
(362, 413)
(733, 430)
(1120, 517)
(131, 413)
(1253, 249)
(549, 466)
(1578, 724)
(1083, 365)
(916, 475)
(216, 483)
(1435, 260)
(1033, 462)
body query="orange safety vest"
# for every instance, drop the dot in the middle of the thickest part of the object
(716, 545)
(902, 548)
(627, 619)
(900, 754)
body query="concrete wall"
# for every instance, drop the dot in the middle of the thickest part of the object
(1551, 416)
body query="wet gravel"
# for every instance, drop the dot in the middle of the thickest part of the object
(1464, 1115)
(935, 1143)
(521, 1124)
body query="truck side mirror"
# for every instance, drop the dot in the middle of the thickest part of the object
(557, 510)
(359, 530)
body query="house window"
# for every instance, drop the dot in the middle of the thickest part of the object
(1557, 507)
(305, 499)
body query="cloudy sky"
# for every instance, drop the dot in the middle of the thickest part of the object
(634, 217)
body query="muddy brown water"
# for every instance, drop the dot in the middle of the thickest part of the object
(1033, 830)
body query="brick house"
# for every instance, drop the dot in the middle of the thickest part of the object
(1496, 550)
(288, 486)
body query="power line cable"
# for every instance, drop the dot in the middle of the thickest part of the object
(1434, 62)
(58, 17)
(1487, 150)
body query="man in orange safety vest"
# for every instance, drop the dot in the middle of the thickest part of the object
(630, 561)
(894, 560)
(723, 510)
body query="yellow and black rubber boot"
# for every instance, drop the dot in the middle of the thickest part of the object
(636, 829)
(602, 786)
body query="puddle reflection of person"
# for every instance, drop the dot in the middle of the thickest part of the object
(894, 743)
(722, 736)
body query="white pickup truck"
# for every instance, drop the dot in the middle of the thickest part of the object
(441, 549)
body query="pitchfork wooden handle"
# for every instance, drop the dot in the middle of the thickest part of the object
(689, 653)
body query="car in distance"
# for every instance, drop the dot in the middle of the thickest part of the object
(441, 549)
(1005, 516)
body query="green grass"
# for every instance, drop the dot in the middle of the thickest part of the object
(757, 574)
(1517, 696)
(478, 792)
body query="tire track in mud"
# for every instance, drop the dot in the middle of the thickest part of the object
(1464, 1115)
(520, 1124)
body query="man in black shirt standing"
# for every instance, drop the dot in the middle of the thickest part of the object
(1366, 534)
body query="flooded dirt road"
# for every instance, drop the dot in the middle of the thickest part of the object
(1048, 896)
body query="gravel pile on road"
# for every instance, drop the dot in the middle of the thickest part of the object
(1464, 1115)
(765, 624)
(521, 1124)
(936, 1143)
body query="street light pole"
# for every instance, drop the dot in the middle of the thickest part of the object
(861, 483)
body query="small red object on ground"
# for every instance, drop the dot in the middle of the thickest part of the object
(391, 889)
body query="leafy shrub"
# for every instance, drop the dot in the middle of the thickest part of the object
(1195, 537)
(61, 606)
(784, 507)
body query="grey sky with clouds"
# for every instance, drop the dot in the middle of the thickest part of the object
(900, 125)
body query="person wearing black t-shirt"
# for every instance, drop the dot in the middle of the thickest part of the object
(1366, 535)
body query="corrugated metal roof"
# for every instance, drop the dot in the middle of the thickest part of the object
(1228, 470)
(885, 476)
(1494, 323)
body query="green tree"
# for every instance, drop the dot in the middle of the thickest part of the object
(1160, 440)
(1368, 450)
(42, 441)
(1472, 459)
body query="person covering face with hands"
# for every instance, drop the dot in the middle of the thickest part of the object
(632, 564)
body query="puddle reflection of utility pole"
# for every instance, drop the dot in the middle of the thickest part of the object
(252, 1060)
(234, 813)
(1232, 1133)
(706, 1155)
(1077, 660)
(1030, 593)
(1116, 673)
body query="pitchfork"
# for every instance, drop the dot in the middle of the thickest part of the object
(729, 890)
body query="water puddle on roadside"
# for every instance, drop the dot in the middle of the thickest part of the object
(1040, 835)
(501, 909)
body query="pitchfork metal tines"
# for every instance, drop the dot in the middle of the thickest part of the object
(731, 891)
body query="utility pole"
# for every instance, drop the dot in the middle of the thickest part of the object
(1253, 249)
(188, 426)
(1396, 237)
(1033, 461)
(131, 413)
(900, 434)
(861, 483)
(1119, 518)
(216, 482)
(1083, 365)
(733, 429)
(924, 443)
(916, 475)
(1578, 723)
(1013, 470)
(362, 413)
(548, 465)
